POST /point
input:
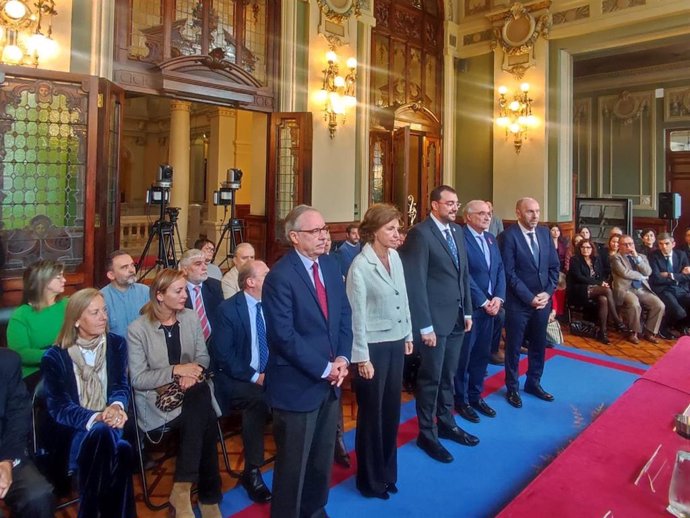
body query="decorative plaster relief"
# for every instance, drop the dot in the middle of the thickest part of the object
(609, 6)
(571, 15)
(335, 16)
(477, 37)
(677, 104)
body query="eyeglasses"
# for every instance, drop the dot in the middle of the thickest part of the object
(451, 204)
(585, 247)
(316, 231)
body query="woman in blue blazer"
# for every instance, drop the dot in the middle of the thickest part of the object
(382, 335)
(87, 391)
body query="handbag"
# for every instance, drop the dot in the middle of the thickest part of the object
(170, 396)
(583, 328)
(554, 335)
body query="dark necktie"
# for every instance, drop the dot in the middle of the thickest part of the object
(534, 247)
(487, 257)
(261, 338)
(320, 289)
(669, 264)
(453, 248)
(636, 285)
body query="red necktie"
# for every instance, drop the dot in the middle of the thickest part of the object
(201, 312)
(320, 289)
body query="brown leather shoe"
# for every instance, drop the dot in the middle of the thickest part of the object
(632, 338)
(650, 337)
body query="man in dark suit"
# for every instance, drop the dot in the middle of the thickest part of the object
(239, 353)
(309, 326)
(488, 285)
(531, 265)
(438, 287)
(22, 487)
(670, 280)
(204, 294)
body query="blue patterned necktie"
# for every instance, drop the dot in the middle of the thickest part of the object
(534, 247)
(453, 248)
(487, 256)
(636, 284)
(261, 338)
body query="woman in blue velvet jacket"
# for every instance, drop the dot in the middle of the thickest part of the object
(87, 391)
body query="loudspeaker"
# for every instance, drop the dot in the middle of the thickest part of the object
(669, 205)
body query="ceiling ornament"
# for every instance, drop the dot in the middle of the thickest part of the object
(516, 31)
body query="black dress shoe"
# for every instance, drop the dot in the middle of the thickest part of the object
(253, 482)
(434, 449)
(665, 334)
(457, 434)
(373, 494)
(539, 392)
(467, 412)
(391, 488)
(481, 407)
(514, 398)
(340, 454)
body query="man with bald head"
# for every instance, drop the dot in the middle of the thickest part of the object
(243, 253)
(309, 325)
(531, 267)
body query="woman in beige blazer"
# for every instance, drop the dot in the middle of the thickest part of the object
(167, 344)
(382, 335)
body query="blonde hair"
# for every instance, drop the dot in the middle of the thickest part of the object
(76, 306)
(160, 284)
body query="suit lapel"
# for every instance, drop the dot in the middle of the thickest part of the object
(243, 311)
(380, 269)
(301, 271)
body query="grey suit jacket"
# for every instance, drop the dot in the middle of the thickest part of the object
(149, 367)
(380, 311)
(623, 275)
(436, 289)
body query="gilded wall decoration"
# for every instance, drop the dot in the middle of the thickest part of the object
(627, 107)
(473, 7)
(609, 6)
(335, 17)
(477, 37)
(571, 15)
(516, 31)
(677, 104)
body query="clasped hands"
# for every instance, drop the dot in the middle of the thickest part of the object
(338, 371)
(114, 416)
(189, 374)
(493, 307)
(540, 300)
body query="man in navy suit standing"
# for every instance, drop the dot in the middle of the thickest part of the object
(239, 352)
(204, 294)
(531, 265)
(309, 325)
(488, 285)
(438, 287)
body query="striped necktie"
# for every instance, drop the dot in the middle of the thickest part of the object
(201, 312)
(261, 338)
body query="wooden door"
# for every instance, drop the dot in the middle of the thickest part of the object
(678, 179)
(431, 172)
(401, 173)
(288, 180)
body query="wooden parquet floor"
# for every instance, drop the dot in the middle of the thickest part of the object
(645, 352)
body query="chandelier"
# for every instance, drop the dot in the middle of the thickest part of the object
(337, 92)
(516, 116)
(26, 31)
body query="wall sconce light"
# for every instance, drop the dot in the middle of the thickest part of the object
(337, 92)
(516, 115)
(26, 31)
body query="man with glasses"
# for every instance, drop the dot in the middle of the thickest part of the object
(208, 247)
(244, 252)
(438, 287)
(309, 325)
(632, 291)
(204, 294)
(531, 265)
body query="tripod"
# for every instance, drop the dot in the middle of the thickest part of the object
(165, 230)
(233, 230)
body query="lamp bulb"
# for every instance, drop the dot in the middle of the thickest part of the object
(514, 106)
(524, 87)
(339, 81)
(350, 101)
(502, 90)
(331, 57)
(515, 128)
(12, 54)
(15, 9)
(352, 63)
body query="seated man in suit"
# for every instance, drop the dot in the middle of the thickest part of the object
(243, 253)
(670, 280)
(631, 290)
(488, 286)
(22, 487)
(204, 294)
(685, 246)
(239, 353)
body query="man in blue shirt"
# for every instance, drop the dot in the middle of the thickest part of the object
(124, 296)
(349, 249)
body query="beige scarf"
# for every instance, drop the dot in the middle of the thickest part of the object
(91, 393)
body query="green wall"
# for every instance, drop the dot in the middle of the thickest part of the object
(474, 128)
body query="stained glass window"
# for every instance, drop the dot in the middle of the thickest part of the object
(288, 170)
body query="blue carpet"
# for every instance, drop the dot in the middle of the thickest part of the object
(514, 447)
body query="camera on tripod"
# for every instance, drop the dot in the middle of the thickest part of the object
(226, 194)
(159, 193)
